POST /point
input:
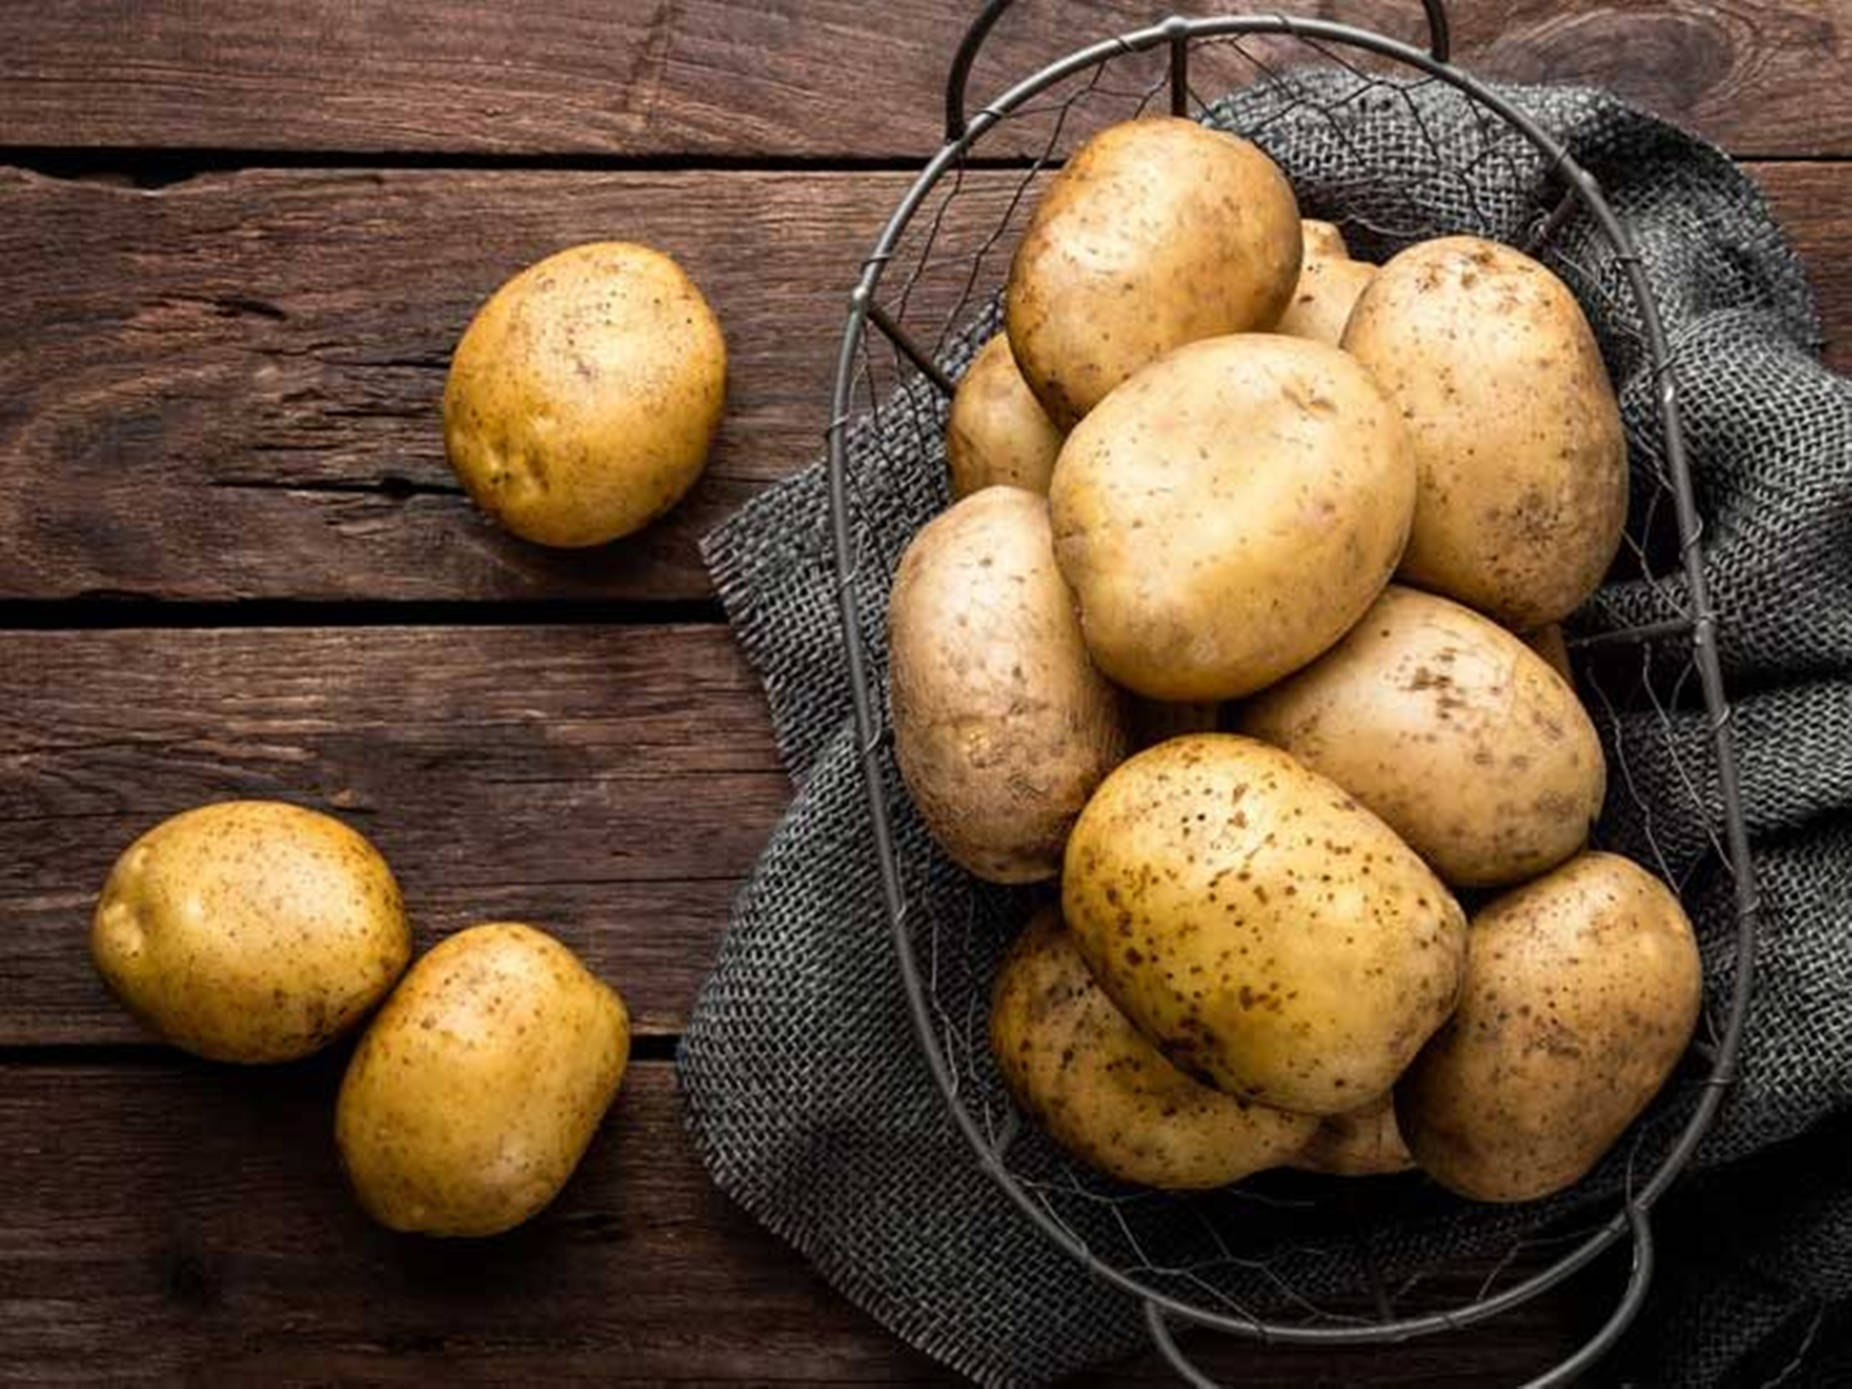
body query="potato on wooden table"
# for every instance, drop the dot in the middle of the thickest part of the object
(1522, 455)
(1453, 730)
(1156, 233)
(1582, 991)
(1104, 1093)
(1002, 724)
(1229, 512)
(250, 930)
(584, 396)
(1270, 934)
(997, 434)
(477, 1089)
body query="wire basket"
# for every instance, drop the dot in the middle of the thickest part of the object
(1288, 1257)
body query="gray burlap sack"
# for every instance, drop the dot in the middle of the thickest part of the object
(807, 1093)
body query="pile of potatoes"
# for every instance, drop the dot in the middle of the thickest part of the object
(258, 931)
(1241, 626)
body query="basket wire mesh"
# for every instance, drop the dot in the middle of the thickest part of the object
(1286, 1257)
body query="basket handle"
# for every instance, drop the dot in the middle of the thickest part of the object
(1565, 1373)
(1439, 46)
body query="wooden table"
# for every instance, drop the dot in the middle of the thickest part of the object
(237, 242)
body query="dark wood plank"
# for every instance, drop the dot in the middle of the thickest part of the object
(229, 388)
(811, 78)
(191, 1221)
(611, 784)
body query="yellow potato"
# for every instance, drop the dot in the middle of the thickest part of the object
(997, 434)
(1229, 512)
(478, 1087)
(1549, 642)
(584, 397)
(1522, 456)
(1156, 233)
(250, 930)
(1362, 1143)
(1323, 240)
(1582, 990)
(1104, 1093)
(1002, 726)
(1273, 937)
(1454, 731)
(1322, 300)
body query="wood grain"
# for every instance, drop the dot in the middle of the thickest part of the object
(229, 388)
(613, 785)
(190, 1222)
(786, 78)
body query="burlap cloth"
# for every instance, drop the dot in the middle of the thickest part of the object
(807, 1094)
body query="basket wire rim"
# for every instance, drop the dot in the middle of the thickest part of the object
(1633, 1216)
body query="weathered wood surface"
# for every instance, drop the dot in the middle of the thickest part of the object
(786, 78)
(611, 784)
(229, 388)
(190, 1222)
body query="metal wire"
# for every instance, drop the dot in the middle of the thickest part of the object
(1188, 1259)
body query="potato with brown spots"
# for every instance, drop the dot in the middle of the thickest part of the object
(1549, 642)
(997, 434)
(1522, 456)
(478, 1087)
(1229, 512)
(1272, 936)
(1454, 731)
(1362, 1143)
(1104, 1093)
(585, 395)
(1156, 233)
(1328, 288)
(1322, 240)
(1582, 991)
(1002, 725)
(250, 930)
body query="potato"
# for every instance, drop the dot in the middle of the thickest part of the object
(1229, 512)
(997, 434)
(250, 930)
(1363, 1143)
(1522, 455)
(1322, 240)
(1322, 300)
(1549, 642)
(1002, 726)
(1582, 990)
(1104, 1093)
(1156, 233)
(1453, 730)
(584, 397)
(475, 1092)
(1273, 937)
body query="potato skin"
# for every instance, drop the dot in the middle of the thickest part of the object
(1229, 512)
(997, 434)
(1273, 937)
(1104, 1093)
(250, 930)
(584, 396)
(1322, 240)
(1327, 291)
(1549, 642)
(475, 1092)
(1522, 455)
(1453, 731)
(1362, 1143)
(1582, 991)
(1156, 233)
(1002, 726)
